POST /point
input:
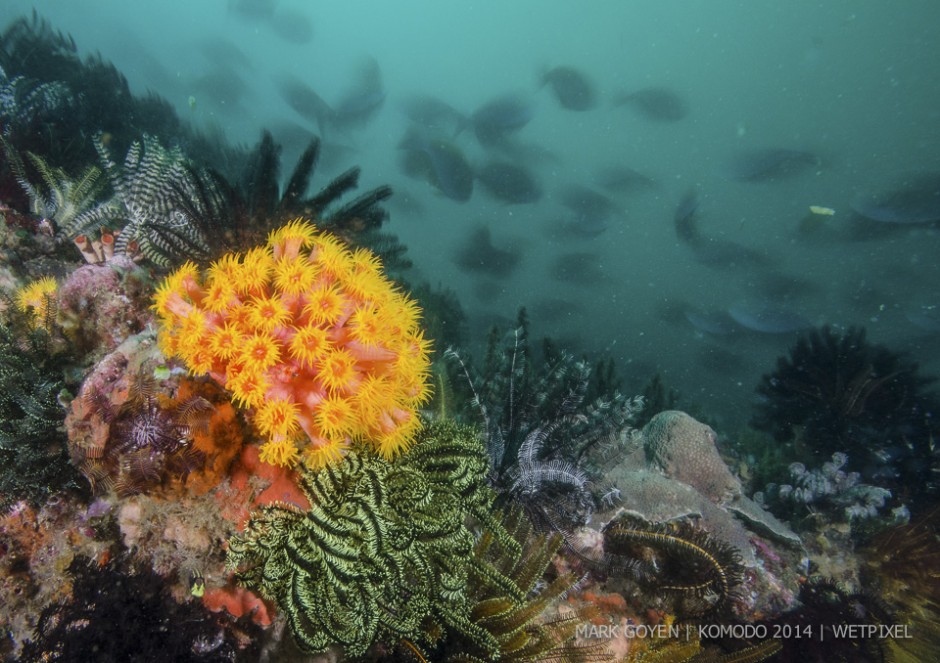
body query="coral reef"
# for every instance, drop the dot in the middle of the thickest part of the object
(58, 199)
(847, 395)
(34, 461)
(144, 441)
(655, 494)
(684, 450)
(902, 563)
(159, 204)
(37, 300)
(705, 574)
(100, 306)
(37, 544)
(383, 548)
(539, 428)
(126, 430)
(117, 612)
(515, 616)
(827, 488)
(26, 102)
(311, 336)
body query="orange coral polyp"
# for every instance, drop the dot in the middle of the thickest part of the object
(267, 313)
(308, 335)
(260, 351)
(277, 418)
(325, 305)
(226, 341)
(309, 345)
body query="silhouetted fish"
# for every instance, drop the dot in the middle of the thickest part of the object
(767, 319)
(222, 86)
(683, 219)
(292, 25)
(495, 120)
(711, 251)
(253, 10)
(622, 179)
(438, 161)
(433, 114)
(223, 53)
(773, 163)
(590, 211)
(925, 318)
(509, 183)
(655, 103)
(581, 268)
(478, 254)
(916, 201)
(364, 99)
(718, 323)
(306, 102)
(571, 87)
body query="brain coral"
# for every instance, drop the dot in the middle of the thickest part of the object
(684, 449)
(310, 336)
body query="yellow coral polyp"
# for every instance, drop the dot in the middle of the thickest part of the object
(281, 452)
(267, 313)
(248, 387)
(327, 452)
(260, 351)
(338, 371)
(309, 345)
(226, 341)
(325, 305)
(294, 277)
(36, 298)
(277, 418)
(310, 337)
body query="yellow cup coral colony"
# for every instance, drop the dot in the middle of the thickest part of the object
(36, 298)
(308, 334)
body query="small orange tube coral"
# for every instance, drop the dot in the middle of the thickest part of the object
(310, 336)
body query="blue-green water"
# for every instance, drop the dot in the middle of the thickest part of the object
(852, 81)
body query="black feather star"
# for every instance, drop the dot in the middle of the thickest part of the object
(539, 425)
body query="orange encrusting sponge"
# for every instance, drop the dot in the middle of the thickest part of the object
(310, 336)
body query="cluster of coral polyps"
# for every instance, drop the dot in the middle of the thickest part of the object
(310, 336)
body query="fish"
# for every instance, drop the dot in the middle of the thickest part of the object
(224, 53)
(573, 90)
(434, 115)
(292, 26)
(915, 201)
(253, 10)
(222, 86)
(711, 251)
(590, 211)
(306, 102)
(499, 118)
(717, 323)
(509, 183)
(770, 164)
(618, 178)
(655, 103)
(766, 318)
(363, 100)
(479, 255)
(683, 219)
(439, 162)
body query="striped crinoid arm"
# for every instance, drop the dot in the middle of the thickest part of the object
(688, 561)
